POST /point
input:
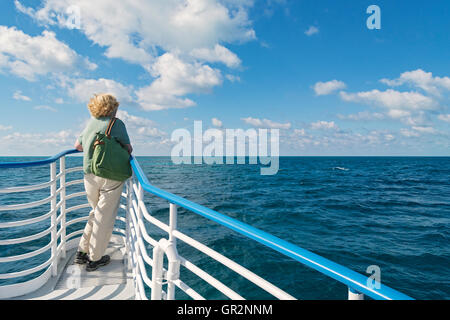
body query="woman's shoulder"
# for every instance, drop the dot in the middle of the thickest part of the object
(120, 123)
(120, 126)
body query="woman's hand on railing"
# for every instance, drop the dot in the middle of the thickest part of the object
(78, 146)
(129, 148)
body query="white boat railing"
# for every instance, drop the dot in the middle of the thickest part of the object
(162, 282)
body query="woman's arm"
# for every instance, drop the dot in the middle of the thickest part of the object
(78, 146)
(129, 148)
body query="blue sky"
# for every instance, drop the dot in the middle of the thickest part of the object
(311, 69)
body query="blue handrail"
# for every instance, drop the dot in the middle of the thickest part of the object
(37, 162)
(352, 279)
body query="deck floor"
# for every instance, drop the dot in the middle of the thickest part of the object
(110, 282)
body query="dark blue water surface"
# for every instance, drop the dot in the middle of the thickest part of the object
(393, 212)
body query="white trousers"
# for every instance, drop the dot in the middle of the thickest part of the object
(104, 197)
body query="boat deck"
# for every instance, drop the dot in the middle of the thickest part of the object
(110, 282)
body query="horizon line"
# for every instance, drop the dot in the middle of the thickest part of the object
(246, 156)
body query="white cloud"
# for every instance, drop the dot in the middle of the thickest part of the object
(5, 128)
(392, 99)
(253, 121)
(84, 89)
(37, 143)
(134, 121)
(19, 96)
(216, 122)
(139, 127)
(266, 123)
(133, 29)
(153, 34)
(23, 9)
(444, 117)
(324, 125)
(398, 113)
(417, 131)
(424, 129)
(324, 88)
(174, 79)
(276, 125)
(421, 79)
(300, 132)
(233, 78)
(48, 108)
(336, 141)
(27, 56)
(311, 30)
(145, 136)
(409, 133)
(362, 116)
(218, 54)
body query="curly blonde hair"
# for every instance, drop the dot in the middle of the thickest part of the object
(103, 105)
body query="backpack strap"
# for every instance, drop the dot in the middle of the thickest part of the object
(110, 125)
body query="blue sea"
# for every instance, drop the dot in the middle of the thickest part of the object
(393, 212)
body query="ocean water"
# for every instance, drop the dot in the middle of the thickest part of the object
(393, 212)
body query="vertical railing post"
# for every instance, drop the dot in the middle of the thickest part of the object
(172, 243)
(354, 295)
(62, 197)
(54, 250)
(139, 196)
(157, 272)
(137, 228)
(127, 224)
(172, 222)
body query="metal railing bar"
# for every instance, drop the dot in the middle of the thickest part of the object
(244, 272)
(76, 220)
(25, 222)
(141, 227)
(27, 205)
(26, 255)
(76, 194)
(139, 280)
(188, 290)
(121, 219)
(27, 238)
(144, 252)
(153, 220)
(26, 272)
(210, 279)
(119, 230)
(54, 158)
(75, 233)
(81, 206)
(143, 272)
(27, 188)
(74, 182)
(58, 234)
(141, 246)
